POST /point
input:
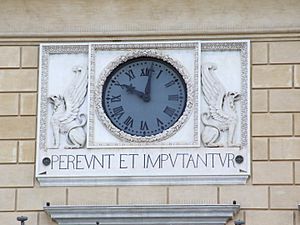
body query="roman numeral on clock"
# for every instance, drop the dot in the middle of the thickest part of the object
(145, 72)
(144, 125)
(158, 75)
(115, 98)
(130, 74)
(173, 97)
(118, 112)
(159, 122)
(169, 111)
(170, 83)
(129, 121)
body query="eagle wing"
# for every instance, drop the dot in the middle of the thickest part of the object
(214, 92)
(75, 95)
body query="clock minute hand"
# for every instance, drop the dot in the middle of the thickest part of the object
(148, 85)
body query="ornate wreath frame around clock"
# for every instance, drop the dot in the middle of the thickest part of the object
(132, 55)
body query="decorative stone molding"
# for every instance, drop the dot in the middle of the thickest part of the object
(158, 180)
(143, 214)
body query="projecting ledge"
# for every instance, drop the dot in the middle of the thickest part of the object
(143, 214)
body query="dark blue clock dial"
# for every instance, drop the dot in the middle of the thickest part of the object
(144, 96)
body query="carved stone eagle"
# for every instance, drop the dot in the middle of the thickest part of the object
(66, 118)
(222, 115)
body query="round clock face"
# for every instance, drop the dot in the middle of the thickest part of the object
(144, 96)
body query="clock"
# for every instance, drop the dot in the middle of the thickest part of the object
(144, 97)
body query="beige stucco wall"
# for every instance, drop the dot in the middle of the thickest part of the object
(272, 193)
(140, 17)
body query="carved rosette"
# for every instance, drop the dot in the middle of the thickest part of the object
(131, 55)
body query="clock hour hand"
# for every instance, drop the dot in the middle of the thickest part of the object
(147, 97)
(131, 89)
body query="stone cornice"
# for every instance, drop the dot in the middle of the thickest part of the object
(217, 214)
(127, 18)
(164, 180)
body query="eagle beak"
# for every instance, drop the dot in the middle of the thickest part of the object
(75, 69)
(237, 97)
(51, 99)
